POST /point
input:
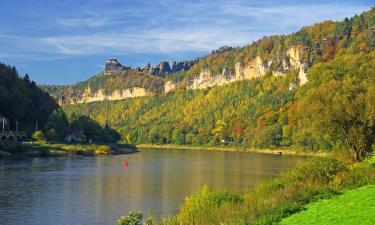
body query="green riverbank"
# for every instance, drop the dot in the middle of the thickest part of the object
(44, 149)
(269, 203)
(353, 207)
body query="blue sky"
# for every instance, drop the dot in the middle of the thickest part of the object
(63, 42)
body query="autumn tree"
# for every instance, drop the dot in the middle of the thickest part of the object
(343, 110)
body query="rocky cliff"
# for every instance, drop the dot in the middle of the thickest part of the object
(113, 65)
(257, 67)
(100, 95)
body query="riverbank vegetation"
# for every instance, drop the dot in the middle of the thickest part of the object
(269, 203)
(44, 149)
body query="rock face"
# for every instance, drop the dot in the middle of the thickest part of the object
(92, 96)
(295, 54)
(169, 86)
(183, 65)
(255, 68)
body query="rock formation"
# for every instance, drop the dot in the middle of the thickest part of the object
(257, 67)
(113, 64)
(162, 69)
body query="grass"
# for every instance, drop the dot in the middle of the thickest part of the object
(289, 193)
(353, 207)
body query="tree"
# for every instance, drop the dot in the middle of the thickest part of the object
(153, 135)
(38, 136)
(219, 130)
(343, 110)
(178, 137)
(58, 122)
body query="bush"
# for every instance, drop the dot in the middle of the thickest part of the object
(206, 206)
(133, 218)
(317, 170)
(38, 136)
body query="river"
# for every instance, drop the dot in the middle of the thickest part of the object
(97, 190)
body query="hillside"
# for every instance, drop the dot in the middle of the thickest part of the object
(268, 111)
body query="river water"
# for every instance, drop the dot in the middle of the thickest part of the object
(98, 190)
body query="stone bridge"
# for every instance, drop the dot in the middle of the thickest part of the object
(12, 136)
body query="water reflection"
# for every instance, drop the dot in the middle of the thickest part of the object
(99, 190)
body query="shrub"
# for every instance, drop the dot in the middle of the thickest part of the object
(205, 206)
(38, 136)
(317, 170)
(133, 218)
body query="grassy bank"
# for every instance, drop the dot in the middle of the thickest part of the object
(350, 208)
(35, 149)
(229, 148)
(289, 193)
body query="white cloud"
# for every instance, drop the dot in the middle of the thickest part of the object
(83, 22)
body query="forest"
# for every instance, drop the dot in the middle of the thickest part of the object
(23, 101)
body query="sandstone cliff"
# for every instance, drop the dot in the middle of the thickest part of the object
(92, 96)
(256, 68)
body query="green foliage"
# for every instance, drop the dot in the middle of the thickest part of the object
(93, 131)
(336, 107)
(178, 137)
(57, 125)
(207, 205)
(133, 218)
(38, 136)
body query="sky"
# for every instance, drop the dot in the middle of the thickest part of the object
(64, 42)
